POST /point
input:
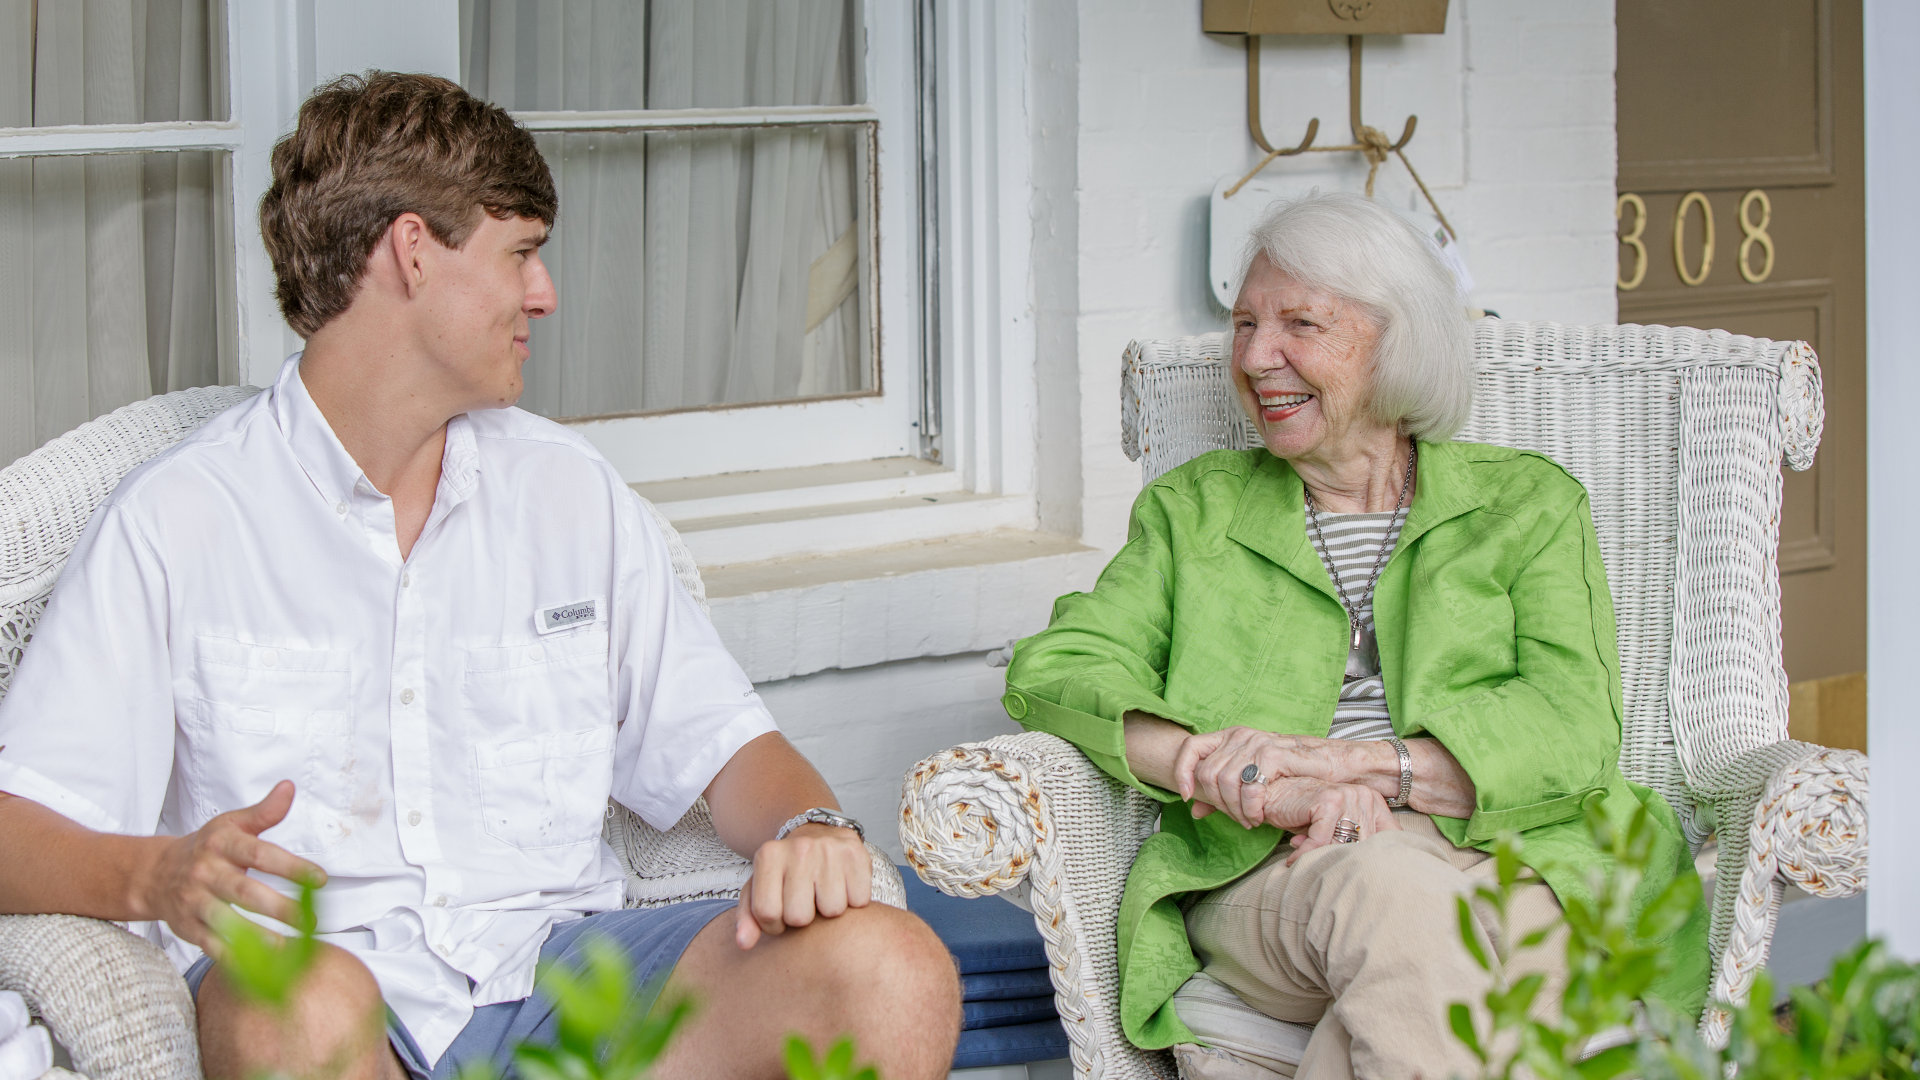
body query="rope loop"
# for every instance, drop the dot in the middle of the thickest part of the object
(971, 823)
(1810, 828)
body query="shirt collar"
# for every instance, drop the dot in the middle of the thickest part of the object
(318, 450)
(1270, 516)
(333, 471)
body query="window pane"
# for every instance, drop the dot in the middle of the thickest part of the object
(110, 63)
(663, 54)
(114, 287)
(700, 268)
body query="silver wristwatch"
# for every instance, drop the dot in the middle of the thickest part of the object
(820, 815)
(1406, 773)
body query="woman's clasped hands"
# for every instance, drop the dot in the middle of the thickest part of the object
(1301, 784)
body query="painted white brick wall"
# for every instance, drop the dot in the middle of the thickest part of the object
(1515, 139)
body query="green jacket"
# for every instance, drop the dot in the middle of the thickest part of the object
(1496, 637)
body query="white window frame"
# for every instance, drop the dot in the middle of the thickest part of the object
(823, 431)
(259, 89)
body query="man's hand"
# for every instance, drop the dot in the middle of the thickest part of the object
(196, 876)
(817, 870)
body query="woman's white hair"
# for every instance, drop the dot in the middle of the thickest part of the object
(1364, 253)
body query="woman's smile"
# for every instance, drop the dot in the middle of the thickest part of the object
(1275, 408)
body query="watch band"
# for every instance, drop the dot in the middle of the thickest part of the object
(1406, 773)
(820, 815)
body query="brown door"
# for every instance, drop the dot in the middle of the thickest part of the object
(1741, 120)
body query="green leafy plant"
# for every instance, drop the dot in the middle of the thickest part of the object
(603, 1034)
(264, 966)
(1860, 1023)
(837, 1065)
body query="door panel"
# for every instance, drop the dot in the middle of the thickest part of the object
(1718, 100)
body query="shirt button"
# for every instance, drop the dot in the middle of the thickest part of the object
(536, 653)
(439, 901)
(269, 658)
(340, 508)
(406, 579)
(406, 696)
(413, 817)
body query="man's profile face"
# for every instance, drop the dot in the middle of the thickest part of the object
(487, 293)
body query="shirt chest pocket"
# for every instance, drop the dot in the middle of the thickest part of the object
(542, 756)
(262, 713)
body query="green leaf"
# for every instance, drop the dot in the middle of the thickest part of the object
(1469, 934)
(798, 1055)
(839, 1063)
(1525, 991)
(544, 1063)
(1506, 860)
(1460, 1018)
(1670, 910)
(262, 965)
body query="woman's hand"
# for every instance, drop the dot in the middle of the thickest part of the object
(1310, 809)
(1208, 768)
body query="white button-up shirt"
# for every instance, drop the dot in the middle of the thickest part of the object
(238, 612)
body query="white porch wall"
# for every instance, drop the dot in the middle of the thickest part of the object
(1134, 115)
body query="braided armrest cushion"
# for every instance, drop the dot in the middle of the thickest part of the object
(986, 817)
(112, 999)
(690, 862)
(1788, 812)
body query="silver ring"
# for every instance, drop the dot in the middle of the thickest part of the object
(1252, 775)
(1346, 831)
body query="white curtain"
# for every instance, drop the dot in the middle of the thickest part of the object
(108, 282)
(694, 268)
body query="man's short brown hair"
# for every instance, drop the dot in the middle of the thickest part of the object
(368, 148)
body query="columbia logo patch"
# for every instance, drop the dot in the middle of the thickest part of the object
(566, 615)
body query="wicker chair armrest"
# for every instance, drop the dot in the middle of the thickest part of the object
(1791, 812)
(111, 998)
(1030, 812)
(690, 862)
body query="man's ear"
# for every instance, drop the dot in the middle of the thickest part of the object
(405, 249)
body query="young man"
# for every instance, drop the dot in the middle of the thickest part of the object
(376, 626)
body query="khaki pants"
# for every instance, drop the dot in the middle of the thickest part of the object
(1362, 940)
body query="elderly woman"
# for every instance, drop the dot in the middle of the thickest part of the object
(1383, 647)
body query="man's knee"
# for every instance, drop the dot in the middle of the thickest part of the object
(882, 954)
(333, 1017)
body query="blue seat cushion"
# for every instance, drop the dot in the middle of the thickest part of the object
(1006, 985)
(1011, 1045)
(983, 934)
(985, 1014)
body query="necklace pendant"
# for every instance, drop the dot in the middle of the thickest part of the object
(1363, 654)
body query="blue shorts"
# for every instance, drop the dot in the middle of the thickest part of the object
(652, 938)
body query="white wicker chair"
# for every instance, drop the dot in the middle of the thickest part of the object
(1679, 436)
(112, 999)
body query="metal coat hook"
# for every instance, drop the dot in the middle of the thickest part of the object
(1253, 111)
(1369, 141)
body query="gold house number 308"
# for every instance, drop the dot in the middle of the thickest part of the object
(1756, 213)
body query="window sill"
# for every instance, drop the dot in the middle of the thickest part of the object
(820, 510)
(797, 615)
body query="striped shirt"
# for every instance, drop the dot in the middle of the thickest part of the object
(1353, 544)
